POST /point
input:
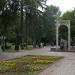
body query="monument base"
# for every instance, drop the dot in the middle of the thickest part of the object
(62, 50)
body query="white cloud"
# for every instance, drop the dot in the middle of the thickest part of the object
(64, 5)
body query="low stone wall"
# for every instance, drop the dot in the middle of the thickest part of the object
(63, 50)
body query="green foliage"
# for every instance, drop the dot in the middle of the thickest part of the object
(70, 15)
(9, 45)
(50, 15)
(63, 32)
(8, 17)
(22, 22)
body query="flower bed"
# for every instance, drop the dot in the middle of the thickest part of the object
(27, 65)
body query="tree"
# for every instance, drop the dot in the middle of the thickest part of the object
(29, 23)
(8, 16)
(70, 15)
(31, 10)
(50, 15)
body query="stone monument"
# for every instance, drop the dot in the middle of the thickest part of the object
(58, 24)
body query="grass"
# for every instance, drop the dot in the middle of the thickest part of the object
(27, 65)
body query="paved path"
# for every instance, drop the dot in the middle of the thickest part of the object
(39, 51)
(65, 66)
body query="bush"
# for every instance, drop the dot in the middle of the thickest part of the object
(23, 45)
(17, 47)
(8, 46)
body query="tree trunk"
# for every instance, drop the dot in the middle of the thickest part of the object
(22, 37)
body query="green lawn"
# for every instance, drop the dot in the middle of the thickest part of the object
(27, 65)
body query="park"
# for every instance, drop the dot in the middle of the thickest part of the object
(37, 37)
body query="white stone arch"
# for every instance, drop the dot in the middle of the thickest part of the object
(67, 24)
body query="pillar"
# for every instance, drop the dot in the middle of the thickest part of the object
(57, 35)
(69, 37)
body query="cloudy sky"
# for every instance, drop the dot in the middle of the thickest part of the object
(64, 5)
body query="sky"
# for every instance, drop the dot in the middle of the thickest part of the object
(64, 5)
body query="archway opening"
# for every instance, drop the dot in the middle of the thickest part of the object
(63, 32)
(63, 35)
